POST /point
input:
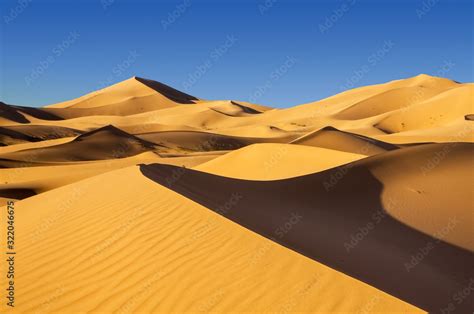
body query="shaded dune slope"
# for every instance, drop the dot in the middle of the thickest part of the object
(245, 108)
(234, 109)
(205, 141)
(15, 134)
(19, 114)
(133, 96)
(329, 219)
(8, 113)
(332, 138)
(12, 137)
(15, 194)
(45, 132)
(171, 93)
(105, 143)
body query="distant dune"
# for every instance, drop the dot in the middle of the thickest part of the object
(104, 143)
(139, 198)
(276, 161)
(332, 138)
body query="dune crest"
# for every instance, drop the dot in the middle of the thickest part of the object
(325, 237)
(276, 161)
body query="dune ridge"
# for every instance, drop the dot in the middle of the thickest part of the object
(107, 142)
(323, 236)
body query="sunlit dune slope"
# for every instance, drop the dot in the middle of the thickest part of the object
(133, 89)
(276, 161)
(445, 108)
(390, 100)
(459, 131)
(21, 182)
(432, 185)
(29, 145)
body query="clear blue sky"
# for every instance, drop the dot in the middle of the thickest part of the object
(274, 52)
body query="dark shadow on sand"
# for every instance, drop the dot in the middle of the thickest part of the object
(329, 219)
(167, 91)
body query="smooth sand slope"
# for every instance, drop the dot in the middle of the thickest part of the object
(132, 96)
(276, 161)
(433, 112)
(21, 182)
(120, 243)
(34, 144)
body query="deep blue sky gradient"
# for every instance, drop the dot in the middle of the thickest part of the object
(274, 52)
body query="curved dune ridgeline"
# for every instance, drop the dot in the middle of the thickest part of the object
(327, 219)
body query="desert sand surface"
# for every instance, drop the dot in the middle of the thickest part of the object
(272, 161)
(161, 243)
(139, 198)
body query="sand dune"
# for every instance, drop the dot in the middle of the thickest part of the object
(459, 131)
(399, 98)
(22, 182)
(205, 116)
(276, 161)
(34, 144)
(12, 137)
(433, 112)
(204, 141)
(133, 88)
(8, 113)
(419, 176)
(335, 139)
(235, 109)
(15, 134)
(19, 114)
(360, 202)
(263, 130)
(105, 143)
(161, 252)
(323, 235)
(135, 95)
